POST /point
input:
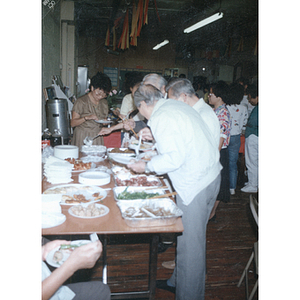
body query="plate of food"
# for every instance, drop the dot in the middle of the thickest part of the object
(79, 165)
(123, 158)
(147, 155)
(60, 254)
(103, 121)
(120, 150)
(135, 193)
(77, 193)
(145, 146)
(137, 180)
(88, 211)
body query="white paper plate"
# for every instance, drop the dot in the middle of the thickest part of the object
(50, 220)
(122, 158)
(94, 178)
(92, 158)
(103, 121)
(144, 147)
(66, 151)
(106, 211)
(147, 155)
(66, 253)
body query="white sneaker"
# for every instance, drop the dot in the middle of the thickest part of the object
(249, 189)
(169, 264)
(232, 191)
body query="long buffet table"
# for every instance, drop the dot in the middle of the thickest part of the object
(112, 224)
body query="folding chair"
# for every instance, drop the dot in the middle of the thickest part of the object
(253, 256)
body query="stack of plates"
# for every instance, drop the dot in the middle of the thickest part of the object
(66, 151)
(58, 170)
(94, 178)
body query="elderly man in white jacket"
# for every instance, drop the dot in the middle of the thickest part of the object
(187, 153)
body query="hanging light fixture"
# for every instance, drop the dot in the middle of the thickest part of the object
(204, 22)
(165, 42)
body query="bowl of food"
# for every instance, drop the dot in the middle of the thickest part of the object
(88, 211)
(94, 150)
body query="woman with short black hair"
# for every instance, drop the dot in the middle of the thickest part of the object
(89, 108)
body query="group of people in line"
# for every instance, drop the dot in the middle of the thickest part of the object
(198, 146)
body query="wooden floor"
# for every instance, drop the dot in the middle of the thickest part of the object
(229, 243)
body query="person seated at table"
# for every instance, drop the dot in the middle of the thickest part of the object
(83, 257)
(89, 108)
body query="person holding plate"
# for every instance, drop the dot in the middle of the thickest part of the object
(89, 108)
(83, 257)
(188, 153)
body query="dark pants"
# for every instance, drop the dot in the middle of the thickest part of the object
(224, 193)
(92, 290)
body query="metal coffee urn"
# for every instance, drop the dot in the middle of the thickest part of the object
(58, 117)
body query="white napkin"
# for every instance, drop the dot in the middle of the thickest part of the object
(58, 170)
(50, 203)
(51, 210)
(52, 219)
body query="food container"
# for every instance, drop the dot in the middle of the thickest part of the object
(95, 150)
(119, 189)
(136, 180)
(120, 151)
(134, 216)
(65, 151)
(94, 178)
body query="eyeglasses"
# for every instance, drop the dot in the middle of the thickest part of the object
(99, 92)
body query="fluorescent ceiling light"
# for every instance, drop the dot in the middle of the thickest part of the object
(165, 42)
(204, 22)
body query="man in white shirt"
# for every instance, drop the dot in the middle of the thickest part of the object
(182, 90)
(187, 153)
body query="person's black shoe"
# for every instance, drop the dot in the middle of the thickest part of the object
(162, 284)
(163, 247)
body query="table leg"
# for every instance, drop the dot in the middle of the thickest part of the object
(153, 265)
(150, 294)
(104, 272)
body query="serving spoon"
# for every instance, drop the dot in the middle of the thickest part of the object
(89, 140)
(137, 149)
